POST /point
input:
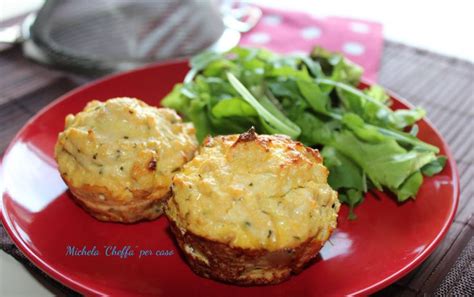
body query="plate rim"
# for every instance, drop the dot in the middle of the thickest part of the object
(84, 289)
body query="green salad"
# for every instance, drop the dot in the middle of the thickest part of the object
(314, 99)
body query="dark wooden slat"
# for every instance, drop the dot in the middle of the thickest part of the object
(460, 142)
(456, 248)
(395, 290)
(420, 79)
(466, 203)
(455, 91)
(460, 107)
(459, 280)
(408, 72)
(12, 118)
(458, 65)
(466, 175)
(422, 83)
(35, 101)
(448, 93)
(14, 115)
(21, 76)
(433, 93)
(391, 68)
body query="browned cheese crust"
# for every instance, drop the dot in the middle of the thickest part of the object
(118, 158)
(252, 209)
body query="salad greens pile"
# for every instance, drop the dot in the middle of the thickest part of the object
(314, 99)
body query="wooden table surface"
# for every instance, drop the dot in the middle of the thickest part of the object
(443, 86)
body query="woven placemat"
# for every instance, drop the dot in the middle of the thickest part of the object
(443, 86)
(459, 281)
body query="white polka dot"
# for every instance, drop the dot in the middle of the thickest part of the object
(311, 32)
(272, 20)
(260, 38)
(299, 53)
(353, 48)
(360, 28)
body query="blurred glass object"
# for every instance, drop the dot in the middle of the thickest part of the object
(104, 36)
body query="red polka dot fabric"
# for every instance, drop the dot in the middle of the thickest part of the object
(297, 32)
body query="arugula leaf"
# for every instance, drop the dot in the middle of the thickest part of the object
(285, 89)
(290, 72)
(378, 93)
(314, 130)
(410, 187)
(373, 110)
(352, 198)
(364, 132)
(407, 117)
(175, 100)
(274, 123)
(233, 107)
(386, 163)
(313, 99)
(435, 166)
(345, 174)
(313, 95)
(414, 130)
(199, 62)
(337, 67)
(215, 67)
(313, 67)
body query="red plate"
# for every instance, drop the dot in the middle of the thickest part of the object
(383, 244)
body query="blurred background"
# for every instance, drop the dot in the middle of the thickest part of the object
(111, 35)
(440, 26)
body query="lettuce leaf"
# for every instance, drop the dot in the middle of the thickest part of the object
(314, 99)
(386, 163)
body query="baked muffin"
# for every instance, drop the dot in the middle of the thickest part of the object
(252, 209)
(118, 157)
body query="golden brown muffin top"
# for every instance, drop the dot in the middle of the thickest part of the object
(124, 146)
(254, 191)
